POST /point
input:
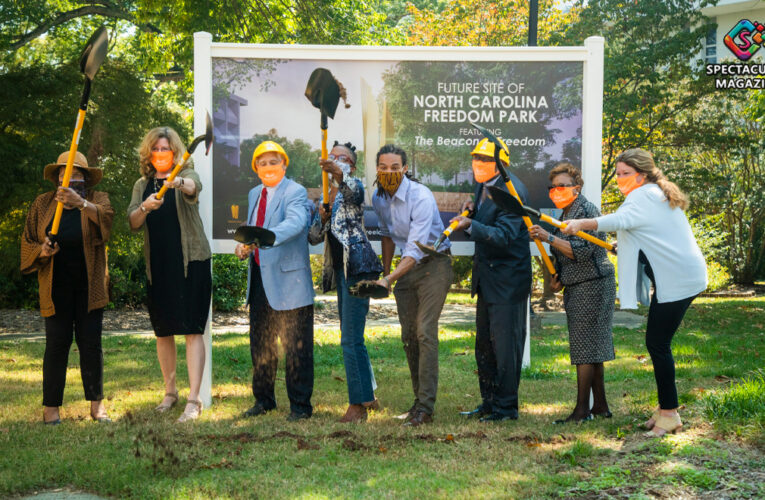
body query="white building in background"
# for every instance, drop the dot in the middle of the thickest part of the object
(727, 14)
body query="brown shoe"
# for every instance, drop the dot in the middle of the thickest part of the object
(372, 405)
(419, 418)
(408, 415)
(354, 413)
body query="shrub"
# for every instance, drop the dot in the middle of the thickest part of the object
(229, 282)
(717, 276)
(16, 290)
(127, 270)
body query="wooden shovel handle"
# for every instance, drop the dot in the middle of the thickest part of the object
(69, 168)
(527, 221)
(173, 175)
(324, 175)
(581, 234)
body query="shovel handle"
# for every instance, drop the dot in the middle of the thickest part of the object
(527, 221)
(451, 227)
(324, 175)
(173, 174)
(69, 168)
(581, 234)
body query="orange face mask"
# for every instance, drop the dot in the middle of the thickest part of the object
(162, 160)
(271, 175)
(484, 170)
(563, 196)
(629, 183)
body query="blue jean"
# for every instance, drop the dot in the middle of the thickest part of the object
(353, 316)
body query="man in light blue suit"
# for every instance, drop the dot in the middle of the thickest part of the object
(279, 290)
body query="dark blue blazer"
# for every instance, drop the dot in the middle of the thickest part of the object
(502, 259)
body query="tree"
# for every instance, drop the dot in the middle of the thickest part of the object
(651, 75)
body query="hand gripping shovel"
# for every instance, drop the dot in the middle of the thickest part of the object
(90, 60)
(255, 235)
(433, 250)
(207, 137)
(505, 201)
(511, 188)
(324, 92)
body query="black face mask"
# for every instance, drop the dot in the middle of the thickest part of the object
(78, 187)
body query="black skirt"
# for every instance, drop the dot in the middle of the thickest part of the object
(178, 304)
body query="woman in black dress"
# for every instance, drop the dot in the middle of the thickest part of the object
(586, 273)
(179, 278)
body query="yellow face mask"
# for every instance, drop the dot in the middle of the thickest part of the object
(390, 181)
(484, 170)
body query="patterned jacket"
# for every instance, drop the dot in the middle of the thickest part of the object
(94, 238)
(347, 224)
(590, 261)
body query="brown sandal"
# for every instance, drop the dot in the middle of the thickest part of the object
(163, 407)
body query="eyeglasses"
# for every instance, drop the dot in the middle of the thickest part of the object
(265, 163)
(344, 158)
(160, 150)
(560, 186)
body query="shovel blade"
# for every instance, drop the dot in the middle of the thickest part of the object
(208, 133)
(94, 52)
(323, 91)
(255, 235)
(493, 138)
(506, 201)
(430, 251)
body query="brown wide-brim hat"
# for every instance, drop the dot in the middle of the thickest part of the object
(93, 175)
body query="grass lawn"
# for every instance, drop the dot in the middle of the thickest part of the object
(144, 455)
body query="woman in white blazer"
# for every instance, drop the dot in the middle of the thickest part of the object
(655, 243)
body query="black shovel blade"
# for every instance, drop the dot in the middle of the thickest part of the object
(430, 251)
(509, 203)
(493, 138)
(255, 235)
(369, 289)
(207, 137)
(323, 91)
(94, 52)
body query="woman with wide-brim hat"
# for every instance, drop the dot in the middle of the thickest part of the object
(72, 275)
(177, 253)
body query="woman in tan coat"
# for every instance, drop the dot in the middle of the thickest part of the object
(72, 275)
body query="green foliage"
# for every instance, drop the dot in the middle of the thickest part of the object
(229, 282)
(650, 74)
(127, 271)
(744, 400)
(16, 290)
(462, 266)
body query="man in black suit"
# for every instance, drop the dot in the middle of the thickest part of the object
(502, 281)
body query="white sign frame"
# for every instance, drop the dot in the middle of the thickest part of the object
(590, 54)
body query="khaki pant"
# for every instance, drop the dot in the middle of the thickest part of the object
(420, 296)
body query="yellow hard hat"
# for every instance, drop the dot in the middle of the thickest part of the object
(486, 148)
(269, 147)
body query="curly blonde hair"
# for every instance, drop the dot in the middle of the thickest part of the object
(642, 161)
(144, 150)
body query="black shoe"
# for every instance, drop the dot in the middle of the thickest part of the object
(294, 416)
(498, 417)
(257, 409)
(605, 414)
(480, 411)
(572, 418)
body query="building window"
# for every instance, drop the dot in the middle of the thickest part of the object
(711, 45)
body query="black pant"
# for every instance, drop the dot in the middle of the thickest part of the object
(72, 314)
(663, 321)
(499, 340)
(295, 327)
